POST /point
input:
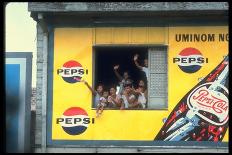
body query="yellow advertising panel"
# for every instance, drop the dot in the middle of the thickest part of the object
(193, 52)
(212, 44)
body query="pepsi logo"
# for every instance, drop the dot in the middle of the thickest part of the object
(190, 60)
(72, 71)
(74, 121)
(211, 101)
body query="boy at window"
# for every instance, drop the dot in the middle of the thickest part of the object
(97, 94)
(145, 68)
(103, 103)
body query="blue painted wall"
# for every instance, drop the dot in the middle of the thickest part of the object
(12, 85)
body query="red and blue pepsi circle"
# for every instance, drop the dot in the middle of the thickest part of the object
(74, 121)
(190, 60)
(71, 72)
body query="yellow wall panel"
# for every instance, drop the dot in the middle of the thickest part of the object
(157, 35)
(103, 35)
(214, 51)
(120, 35)
(70, 44)
(139, 35)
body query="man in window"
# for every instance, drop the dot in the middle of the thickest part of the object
(122, 79)
(145, 68)
(128, 97)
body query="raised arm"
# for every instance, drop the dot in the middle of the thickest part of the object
(90, 88)
(136, 62)
(116, 72)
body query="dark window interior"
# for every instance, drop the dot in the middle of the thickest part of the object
(107, 57)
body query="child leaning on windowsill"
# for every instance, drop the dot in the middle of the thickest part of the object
(103, 102)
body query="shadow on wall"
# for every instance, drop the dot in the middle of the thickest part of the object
(11, 122)
(33, 125)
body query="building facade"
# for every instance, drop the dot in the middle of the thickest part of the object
(186, 48)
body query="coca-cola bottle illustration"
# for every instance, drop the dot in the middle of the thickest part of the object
(202, 114)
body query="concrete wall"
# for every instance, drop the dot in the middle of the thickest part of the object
(38, 120)
(134, 150)
(126, 6)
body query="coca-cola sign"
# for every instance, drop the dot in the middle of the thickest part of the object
(210, 100)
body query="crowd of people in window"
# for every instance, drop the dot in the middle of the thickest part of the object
(127, 97)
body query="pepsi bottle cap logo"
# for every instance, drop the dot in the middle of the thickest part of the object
(72, 72)
(74, 121)
(190, 60)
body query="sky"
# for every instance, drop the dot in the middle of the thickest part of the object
(20, 32)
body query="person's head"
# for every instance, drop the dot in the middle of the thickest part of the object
(100, 88)
(128, 85)
(105, 94)
(141, 83)
(128, 88)
(126, 75)
(145, 62)
(112, 90)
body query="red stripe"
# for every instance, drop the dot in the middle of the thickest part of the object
(72, 63)
(75, 111)
(190, 51)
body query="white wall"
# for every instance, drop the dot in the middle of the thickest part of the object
(20, 32)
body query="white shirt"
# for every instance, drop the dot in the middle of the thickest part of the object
(121, 89)
(145, 69)
(142, 100)
(96, 100)
(103, 101)
(125, 100)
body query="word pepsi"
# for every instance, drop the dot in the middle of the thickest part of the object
(198, 60)
(76, 120)
(72, 71)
